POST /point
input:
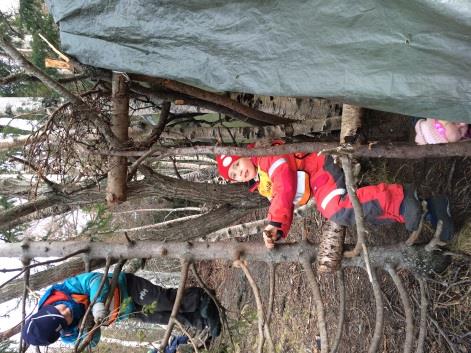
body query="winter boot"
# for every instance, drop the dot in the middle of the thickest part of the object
(439, 209)
(411, 208)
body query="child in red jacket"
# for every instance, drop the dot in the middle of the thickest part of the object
(290, 180)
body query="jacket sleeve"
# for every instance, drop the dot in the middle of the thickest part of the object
(94, 285)
(88, 284)
(283, 178)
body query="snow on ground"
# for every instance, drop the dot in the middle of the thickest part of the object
(18, 104)
(9, 6)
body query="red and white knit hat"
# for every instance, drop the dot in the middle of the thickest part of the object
(429, 131)
(224, 163)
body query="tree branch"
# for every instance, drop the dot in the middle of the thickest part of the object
(407, 308)
(159, 128)
(399, 255)
(379, 319)
(211, 97)
(263, 330)
(25, 260)
(81, 345)
(338, 334)
(173, 96)
(318, 303)
(221, 309)
(271, 295)
(177, 303)
(423, 317)
(358, 210)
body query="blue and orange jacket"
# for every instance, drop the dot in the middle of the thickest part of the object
(83, 289)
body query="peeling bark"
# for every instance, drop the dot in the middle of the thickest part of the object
(351, 123)
(251, 134)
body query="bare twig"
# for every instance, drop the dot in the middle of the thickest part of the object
(444, 335)
(379, 320)
(271, 296)
(423, 317)
(25, 261)
(319, 304)
(54, 186)
(28, 267)
(159, 128)
(177, 303)
(81, 345)
(221, 310)
(54, 49)
(367, 262)
(338, 334)
(179, 324)
(416, 233)
(174, 163)
(263, 330)
(4, 335)
(46, 262)
(407, 308)
(358, 210)
(114, 283)
(436, 242)
(153, 226)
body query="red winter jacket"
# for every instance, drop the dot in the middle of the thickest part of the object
(282, 173)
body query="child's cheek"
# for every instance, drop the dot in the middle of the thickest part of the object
(453, 132)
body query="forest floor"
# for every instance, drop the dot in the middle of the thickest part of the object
(294, 324)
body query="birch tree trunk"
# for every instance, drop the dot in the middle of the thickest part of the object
(351, 122)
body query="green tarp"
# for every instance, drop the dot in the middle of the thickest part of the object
(405, 56)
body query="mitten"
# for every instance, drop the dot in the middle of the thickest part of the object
(99, 312)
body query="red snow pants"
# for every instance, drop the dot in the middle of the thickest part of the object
(381, 203)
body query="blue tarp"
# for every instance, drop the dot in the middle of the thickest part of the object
(410, 57)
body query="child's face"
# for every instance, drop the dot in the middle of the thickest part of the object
(242, 170)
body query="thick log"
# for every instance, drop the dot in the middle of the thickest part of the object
(413, 258)
(159, 95)
(388, 151)
(211, 97)
(117, 174)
